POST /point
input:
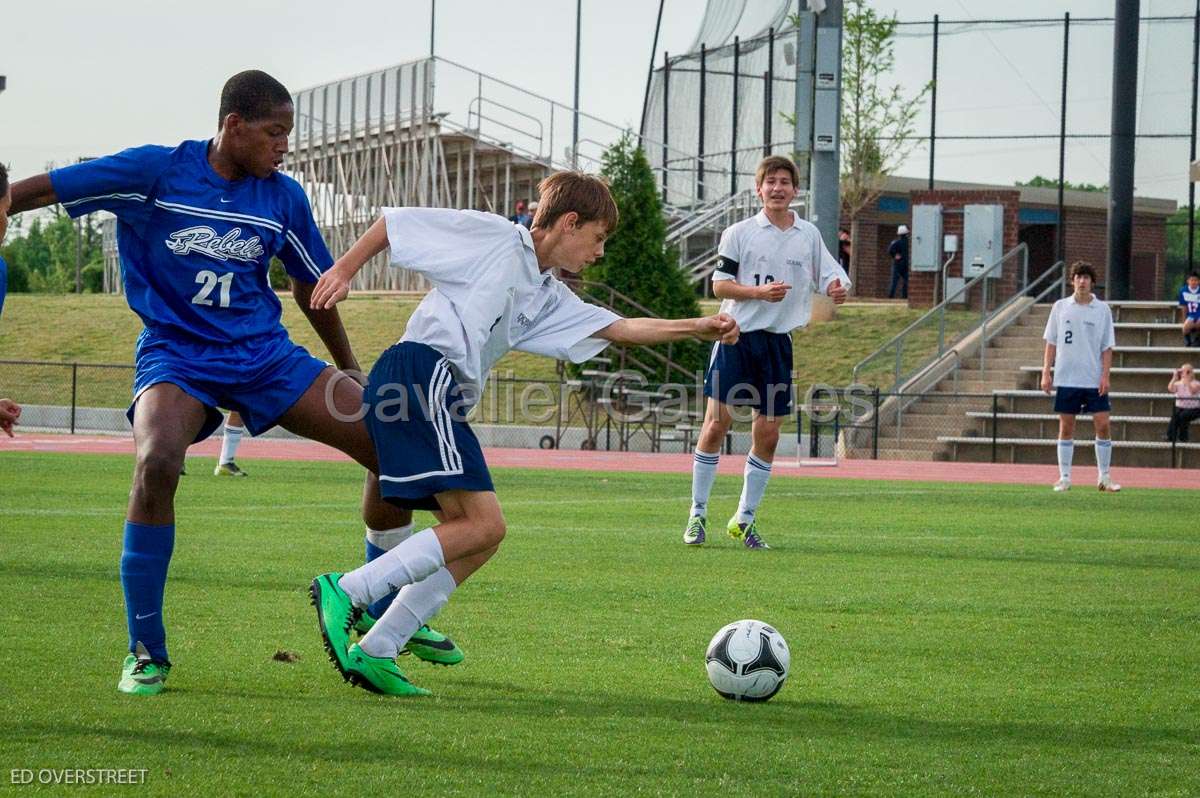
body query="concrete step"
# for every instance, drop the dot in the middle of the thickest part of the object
(1124, 428)
(1132, 454)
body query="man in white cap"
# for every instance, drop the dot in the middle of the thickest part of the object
(898, 249)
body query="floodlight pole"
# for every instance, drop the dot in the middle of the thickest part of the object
(575, 126)
(826, 163)
(432, 26)
(1121, 158)
(1191, 251)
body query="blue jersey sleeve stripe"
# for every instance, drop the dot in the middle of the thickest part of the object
(304, 256)
(224, 216)
(98, 197)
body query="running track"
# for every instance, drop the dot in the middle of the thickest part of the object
(291, 449)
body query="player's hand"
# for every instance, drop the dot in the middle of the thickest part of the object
(332, 288)
(773, 292)
(1103, 385)
(836, 292)
(720, 327)
(10, 411)
(1047, 381)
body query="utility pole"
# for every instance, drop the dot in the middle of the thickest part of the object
(432, 26)
(827, 115)
(1123, 139)
(575, 127)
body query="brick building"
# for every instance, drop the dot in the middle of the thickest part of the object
(1030, 217)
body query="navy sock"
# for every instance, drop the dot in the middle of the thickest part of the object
(377, 609)
(144, 562)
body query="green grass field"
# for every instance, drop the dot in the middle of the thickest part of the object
(945, 639)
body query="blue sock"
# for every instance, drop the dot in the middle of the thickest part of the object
(377, 609)
(144, 562)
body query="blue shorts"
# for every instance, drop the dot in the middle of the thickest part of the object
(1074, 401)
(754, 372)
(415, 412)
(260, 378)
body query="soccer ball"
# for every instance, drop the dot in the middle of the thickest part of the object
(747, 661)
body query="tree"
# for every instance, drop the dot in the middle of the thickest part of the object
(636, 261)
(45, 256)
(1049, 182)
(877, 122)
(877, 119)
(1177, 236)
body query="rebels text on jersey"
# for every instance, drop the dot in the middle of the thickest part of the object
(1190, 300)
(195, 248)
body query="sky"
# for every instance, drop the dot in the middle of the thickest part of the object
(88, 78)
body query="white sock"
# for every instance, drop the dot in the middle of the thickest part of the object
(754, 485)
(1103, 456)
(1066, 452)
(410, 561)
(388, 539)
(704, 471)
(411, 610)
(229, 444)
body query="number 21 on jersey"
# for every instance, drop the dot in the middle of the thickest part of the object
(208, 280)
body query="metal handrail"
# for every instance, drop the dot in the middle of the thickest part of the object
(898, 341)
(478, 113)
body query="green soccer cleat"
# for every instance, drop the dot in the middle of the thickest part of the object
(747, 533)
(427, 644)
(696, 528)
(141, 675)
(378, 674)
(229, 469)
(336, 615)
(433, 646)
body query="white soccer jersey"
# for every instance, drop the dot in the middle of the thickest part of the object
(489, 294)
(755, 252)
(1080, 334)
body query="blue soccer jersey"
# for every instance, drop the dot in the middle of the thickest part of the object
(3, 282)
(1190, 300)
(195, 248)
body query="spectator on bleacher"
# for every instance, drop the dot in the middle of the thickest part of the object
(1189, 306)
(844, 249)
(522, 216)
(532, 213)
(1187, 402)
(898, 249)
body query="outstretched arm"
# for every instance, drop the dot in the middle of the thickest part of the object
(31, 193)
(720, 327)
(334, 285)
(328, 324)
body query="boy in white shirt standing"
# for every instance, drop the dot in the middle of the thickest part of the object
(493, 292)
(770, 266)
(1079, 347)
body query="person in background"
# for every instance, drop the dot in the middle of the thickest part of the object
(522, 216)
(844, 249)
(1189, 306)
(1187, 402)
(10, 411)
(898, 249)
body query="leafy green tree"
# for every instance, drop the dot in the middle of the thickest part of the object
(636, 261)
(1177, 235)
(1049, 182)
(45, 256)
(878, 120)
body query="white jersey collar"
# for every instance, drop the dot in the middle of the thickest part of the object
(764, 221)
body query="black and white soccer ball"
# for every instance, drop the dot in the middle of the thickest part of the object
(747, 661)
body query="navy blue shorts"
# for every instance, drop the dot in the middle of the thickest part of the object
(415, 412)
(1080, 400)
(755, 372)
(260, 378)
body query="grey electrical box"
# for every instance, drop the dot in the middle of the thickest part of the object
(825, 84)
(926, 238)
(828, 57)
(825, 130)
(983, 238)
